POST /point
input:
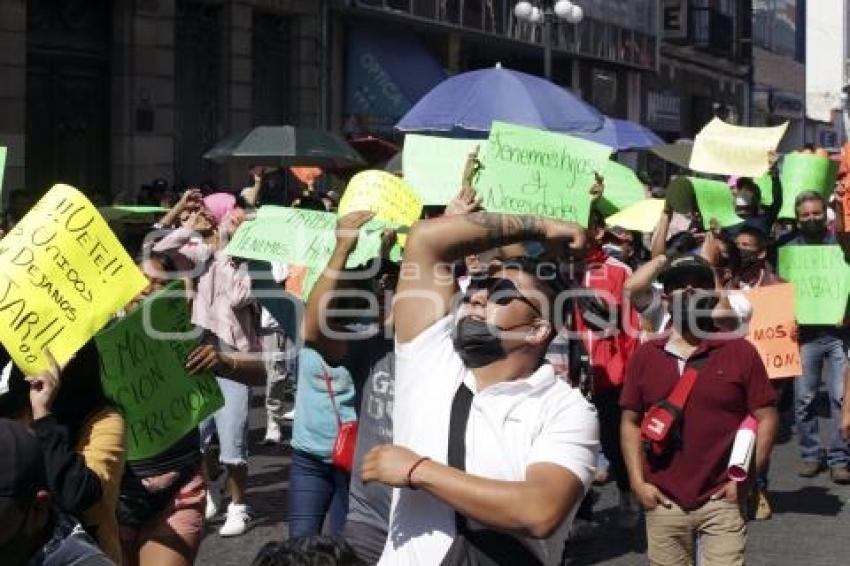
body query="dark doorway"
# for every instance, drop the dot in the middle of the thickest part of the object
(197, 87)
(271, 64)
(68, 95)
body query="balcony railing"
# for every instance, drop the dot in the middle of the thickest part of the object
(491, 16)
(591, 37)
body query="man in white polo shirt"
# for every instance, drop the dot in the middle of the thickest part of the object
(492, 453)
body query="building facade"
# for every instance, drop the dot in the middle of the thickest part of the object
(705, 67)
(779, 67)
(111, 95)
(604, 58)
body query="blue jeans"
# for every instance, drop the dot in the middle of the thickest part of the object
(231, 424)
(315, 490)
(825, 350)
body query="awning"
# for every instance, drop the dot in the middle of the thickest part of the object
(387, 73)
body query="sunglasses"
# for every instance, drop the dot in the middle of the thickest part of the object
(500, 291)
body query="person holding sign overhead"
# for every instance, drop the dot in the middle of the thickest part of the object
(461, 370)
(749, 200)
(823, 347)
(225, 308)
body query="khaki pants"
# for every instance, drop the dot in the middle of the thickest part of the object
(719, 525)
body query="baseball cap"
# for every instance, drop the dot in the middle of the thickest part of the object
(22, 471)
(687, 265)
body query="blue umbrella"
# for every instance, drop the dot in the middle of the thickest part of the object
(467, 104)
(623, 135)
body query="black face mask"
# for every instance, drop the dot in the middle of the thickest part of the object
(681, 311)
(749, 259)
(812, 228)
(745, 212)
(477, 343)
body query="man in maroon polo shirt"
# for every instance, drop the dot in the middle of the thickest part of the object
(686, 492)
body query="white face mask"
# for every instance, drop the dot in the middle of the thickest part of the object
(614, 251)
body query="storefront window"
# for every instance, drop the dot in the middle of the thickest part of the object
(775, 25)
(620, 31)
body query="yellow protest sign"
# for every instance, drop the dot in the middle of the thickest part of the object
(642, 216)
(726, 149)
(390, 198)
(63, 273)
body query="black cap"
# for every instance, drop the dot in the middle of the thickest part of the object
(687, 265)
(22, 469)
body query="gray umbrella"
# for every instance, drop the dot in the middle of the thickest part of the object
(678, 153)
(287, 146)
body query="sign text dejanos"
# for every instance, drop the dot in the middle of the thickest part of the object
(63, 273)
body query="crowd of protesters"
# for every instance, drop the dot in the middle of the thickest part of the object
(508, 364)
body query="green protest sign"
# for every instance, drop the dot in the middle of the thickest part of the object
(397, 253)
(303, 237)
(805, 172)
(132, 213)
(529, 171)
(765, 185)
(300, 237)
(820, 277)
(143, 372)
(622, 188)
(434, 166)
(714, 199)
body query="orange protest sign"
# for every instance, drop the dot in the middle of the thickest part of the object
(845, 205)
(771, 329)
(295, 280)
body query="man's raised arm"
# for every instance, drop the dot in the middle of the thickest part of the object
(426, 285)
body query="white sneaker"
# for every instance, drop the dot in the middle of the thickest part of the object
(272, 432)
(237, 521)
(214, 497)
(289, 415)
(627, 512)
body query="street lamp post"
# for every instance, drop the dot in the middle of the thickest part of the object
(548, 14)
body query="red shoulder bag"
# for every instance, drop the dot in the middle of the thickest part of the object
(342, 455)
(662, 421)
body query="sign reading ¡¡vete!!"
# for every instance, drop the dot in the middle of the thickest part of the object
(143, 372)
(63, 273)
(529, 171)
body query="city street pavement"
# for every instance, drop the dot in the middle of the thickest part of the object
(809, 526)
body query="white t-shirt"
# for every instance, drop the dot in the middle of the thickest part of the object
(511, 426)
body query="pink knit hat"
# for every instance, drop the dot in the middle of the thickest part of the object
(220, 205)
